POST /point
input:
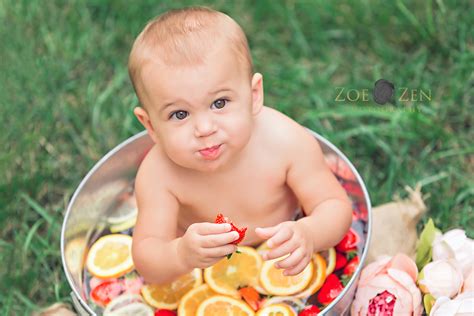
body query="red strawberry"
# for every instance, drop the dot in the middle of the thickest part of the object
(331, 288)
(351, 266)
(341, 261)
(164, 312)
(349, 242)
(310, 310)
(220, 219)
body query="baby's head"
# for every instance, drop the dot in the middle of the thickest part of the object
(192, 72)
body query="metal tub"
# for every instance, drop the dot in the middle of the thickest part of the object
(114, 174)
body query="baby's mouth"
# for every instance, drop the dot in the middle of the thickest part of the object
(210, 152)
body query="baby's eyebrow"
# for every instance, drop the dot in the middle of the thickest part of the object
(220, 90)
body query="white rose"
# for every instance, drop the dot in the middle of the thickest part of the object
(441, 278)
(462, 305)
(454, 244)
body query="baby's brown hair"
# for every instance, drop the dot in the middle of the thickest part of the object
(185, 36)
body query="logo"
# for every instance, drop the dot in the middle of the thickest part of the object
(383, 92)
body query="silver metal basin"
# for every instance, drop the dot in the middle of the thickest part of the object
(114, 174)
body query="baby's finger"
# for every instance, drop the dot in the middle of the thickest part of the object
(297, 269)
(292, 260)
(212, 228)
(280, 251)
(221, 251)
(217, 240)
(284, 234)
(267, 232)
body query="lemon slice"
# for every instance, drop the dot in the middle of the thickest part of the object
(168, 296)
(190, 301)
(110, 256)
(222, 305)
(227, 275)
(279, 309)
(274, 282)
(330, 257)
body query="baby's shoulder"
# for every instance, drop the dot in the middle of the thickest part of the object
(152, 164)
(283, 131)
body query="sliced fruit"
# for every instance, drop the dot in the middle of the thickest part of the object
(289, 300)
(128, 304)
(190, 301)
(331, 288)
(125, 209)
(310, 310)
(319, 275)
(106, 291)
(223, 305)
(110, 256)
(279, 309)
(274, 282)
(251, 297)
(169, 295)
(226, 276)
(330, 257)
(127, 224)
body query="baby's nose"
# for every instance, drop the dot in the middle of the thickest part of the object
(204, 126)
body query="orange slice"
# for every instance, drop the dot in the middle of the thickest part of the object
(274, 282)
(190, 301)
(223, 305)
(227, 275)
(110, 256)
(169, 295)
(319, 276)
(279, 309)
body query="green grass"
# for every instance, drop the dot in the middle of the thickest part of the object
(66, 101)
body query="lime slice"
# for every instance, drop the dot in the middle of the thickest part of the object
(120, 227)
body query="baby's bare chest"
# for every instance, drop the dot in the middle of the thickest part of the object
(259, 196)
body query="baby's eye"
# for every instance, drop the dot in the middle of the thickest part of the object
(180, 115)
(220, 103)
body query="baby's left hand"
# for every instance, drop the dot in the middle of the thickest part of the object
(288, 238)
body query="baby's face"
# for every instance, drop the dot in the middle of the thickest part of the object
(210, 105)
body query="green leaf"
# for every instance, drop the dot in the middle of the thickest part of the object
(424, 249)
(428, 302)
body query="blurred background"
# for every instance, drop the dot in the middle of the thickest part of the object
(66, 100)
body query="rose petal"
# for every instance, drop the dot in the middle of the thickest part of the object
(373, 269)
(404, 263)
(406, 281)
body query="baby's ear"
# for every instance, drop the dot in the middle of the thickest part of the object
(257, 93)
(144, 118)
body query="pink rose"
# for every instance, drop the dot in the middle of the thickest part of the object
(387, 287)
(468, 285)
(441, 278)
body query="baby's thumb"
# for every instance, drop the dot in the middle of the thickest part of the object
(266, 232)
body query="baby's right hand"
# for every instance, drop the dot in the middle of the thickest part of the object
(204, 244)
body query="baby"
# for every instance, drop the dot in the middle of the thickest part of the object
(219, 149)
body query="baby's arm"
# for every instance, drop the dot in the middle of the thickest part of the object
(328, 209)
(154, 247)
(327, 206)
(158, 255)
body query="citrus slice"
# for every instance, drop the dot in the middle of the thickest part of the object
(167, 296)
(319, 276)
(119, 227)
(110, 256)
(330, 257)
(275, 283)
(190, 301)
(227, 275)
(288, 300)
(128, 304)
(223, 305)
(279, 309)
